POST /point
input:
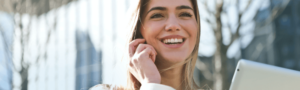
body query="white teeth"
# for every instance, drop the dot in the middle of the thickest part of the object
(173, 40)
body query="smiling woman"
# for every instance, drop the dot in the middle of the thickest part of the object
(163, 46)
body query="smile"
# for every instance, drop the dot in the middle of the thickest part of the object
(173, 40)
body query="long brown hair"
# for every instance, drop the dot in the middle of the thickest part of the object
(189, 65)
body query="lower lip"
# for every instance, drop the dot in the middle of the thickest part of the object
(174, 45)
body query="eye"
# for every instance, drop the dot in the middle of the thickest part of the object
(157, 15)
(185, 14)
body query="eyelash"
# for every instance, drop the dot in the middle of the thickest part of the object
(185, 14)
(157, 15)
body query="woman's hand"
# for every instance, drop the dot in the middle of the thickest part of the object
(141, 64)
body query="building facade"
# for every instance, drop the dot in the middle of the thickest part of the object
(88, 62)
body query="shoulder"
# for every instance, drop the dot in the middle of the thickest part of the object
(106, 87)
(155, 86)
(101, 87)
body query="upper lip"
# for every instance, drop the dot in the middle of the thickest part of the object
(172, 36)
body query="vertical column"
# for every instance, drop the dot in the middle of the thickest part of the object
(107, 43)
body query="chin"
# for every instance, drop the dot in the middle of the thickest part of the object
(175, 57)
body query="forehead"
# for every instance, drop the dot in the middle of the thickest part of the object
(168, 3)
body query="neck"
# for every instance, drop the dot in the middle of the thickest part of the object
(171, 77)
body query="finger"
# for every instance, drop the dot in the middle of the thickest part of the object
(149, 52)
(133, 45)
(153, 56)
(141, 47)
(153, 53)
(146, 51)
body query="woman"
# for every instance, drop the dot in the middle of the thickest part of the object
(163, 46)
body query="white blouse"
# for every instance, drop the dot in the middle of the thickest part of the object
(145, 86)
(154, 86)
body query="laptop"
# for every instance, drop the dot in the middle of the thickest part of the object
(250, 75)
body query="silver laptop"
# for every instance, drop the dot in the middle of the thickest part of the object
(250, 75)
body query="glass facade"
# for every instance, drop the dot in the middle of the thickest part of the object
(6, 66)
(287, 42)
(88, 62)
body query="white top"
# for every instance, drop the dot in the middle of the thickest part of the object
(145, 86)
(154, 86)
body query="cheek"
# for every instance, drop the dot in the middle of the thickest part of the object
(191, 26)
(192, 29)
(150, 31)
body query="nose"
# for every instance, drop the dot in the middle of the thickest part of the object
(172, 24)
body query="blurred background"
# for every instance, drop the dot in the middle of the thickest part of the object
(76, 44)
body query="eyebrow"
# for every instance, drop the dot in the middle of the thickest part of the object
(184, 7)
(157, 8)
(164, 8)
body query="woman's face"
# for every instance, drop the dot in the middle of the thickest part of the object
(171, 28)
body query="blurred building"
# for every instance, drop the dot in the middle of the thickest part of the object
(287, 42)
(88, 62)
(6, 66)
(58, 54)
(277, 40)
(261, 48)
